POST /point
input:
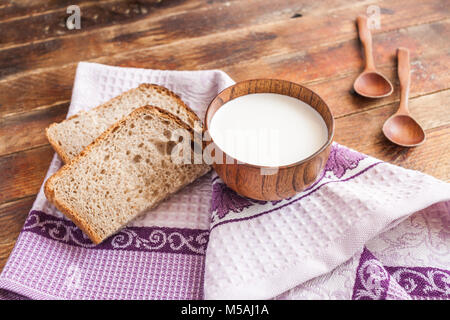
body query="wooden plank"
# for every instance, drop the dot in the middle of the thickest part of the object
(431, 158)
(5, 251)
(94, 15)
(364, 128)
(21, 174)
(12, 218)
(26, 131)
(362, 132)
(24, 94)
(159, 29)
(429, 73)
(20, 8)
(122, 20)
(245, 18)
(337, 59)
(312, 64)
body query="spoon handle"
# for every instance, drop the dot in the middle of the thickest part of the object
(405, 78)
(366, 39)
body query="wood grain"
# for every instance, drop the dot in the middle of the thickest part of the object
(9, 213)
(312, 64)
(281, 182)
(22, 173)
(429, 74)
(12, 217)
(234, 24)
(155, 29)
(373, 119)
(319, 63)
(5, 251)
(432, 157)
(95, 15)
(26, 131)
(20, 9)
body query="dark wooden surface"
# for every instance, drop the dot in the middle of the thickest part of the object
(310, 42)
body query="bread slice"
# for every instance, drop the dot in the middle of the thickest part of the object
(72, 135)
(124, 172)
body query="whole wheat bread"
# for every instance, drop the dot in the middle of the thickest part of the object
(72, 135)
(124, 172)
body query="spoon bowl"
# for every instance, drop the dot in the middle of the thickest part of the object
(372, 84)
(401, 128)
(404, 131)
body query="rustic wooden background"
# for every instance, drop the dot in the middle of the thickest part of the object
(310, 42)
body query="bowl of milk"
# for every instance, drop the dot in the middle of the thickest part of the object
(268, 139)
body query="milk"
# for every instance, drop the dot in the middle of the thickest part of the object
(268, 129)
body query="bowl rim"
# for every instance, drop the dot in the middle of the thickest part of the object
(294, 164)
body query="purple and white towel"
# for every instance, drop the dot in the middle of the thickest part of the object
(365, 230)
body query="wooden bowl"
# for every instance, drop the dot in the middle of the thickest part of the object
(285, 181)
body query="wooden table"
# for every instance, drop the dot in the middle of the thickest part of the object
(310, 42)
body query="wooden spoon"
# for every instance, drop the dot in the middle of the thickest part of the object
(401, 128)
(370, 83)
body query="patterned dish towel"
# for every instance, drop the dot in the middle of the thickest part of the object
(365, 230)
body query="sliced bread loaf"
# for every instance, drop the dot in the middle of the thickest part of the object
(124, 172)
(72, 135)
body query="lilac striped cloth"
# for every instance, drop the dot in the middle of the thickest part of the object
(365, 230)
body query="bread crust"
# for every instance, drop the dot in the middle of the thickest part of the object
(64, 157)
(48, 186)
(144, 86)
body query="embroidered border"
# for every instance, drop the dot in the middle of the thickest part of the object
(161, 239)
(374, 281)
(422, 282)
(320, 183)
(227, 206)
